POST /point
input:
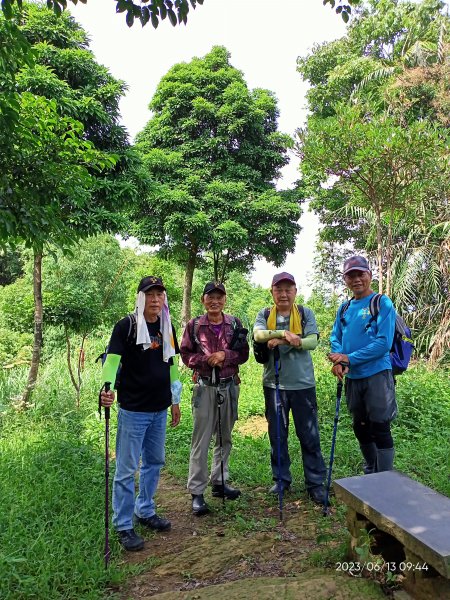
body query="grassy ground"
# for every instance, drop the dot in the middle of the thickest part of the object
(52, 472)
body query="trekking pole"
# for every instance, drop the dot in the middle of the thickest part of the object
(276, 359)
(325, 511)
(220, 400)
(106, 387)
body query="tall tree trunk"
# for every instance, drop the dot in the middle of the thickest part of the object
(187, 288)
(388, 260)
(216, 265)
(389, 251)
(69, 364)
(38, 312)
(379, 250)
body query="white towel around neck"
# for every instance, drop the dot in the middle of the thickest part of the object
(143, 336)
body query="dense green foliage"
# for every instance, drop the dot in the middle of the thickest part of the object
(213, 149)
(375, 155)
(70, 169)
(201, 185)
(51, 452)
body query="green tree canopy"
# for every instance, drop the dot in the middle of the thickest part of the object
(70, 168)
(213, 150)
(375, 152)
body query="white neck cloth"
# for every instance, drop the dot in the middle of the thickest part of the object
(143, 336)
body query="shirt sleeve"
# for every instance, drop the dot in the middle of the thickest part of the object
(336, 333)
(260, 332)
(116, 349)
(384, 326)
(309, 342)
(117, 343)
(190, 357)
(110, 368)
(310, 323)
(260, 322)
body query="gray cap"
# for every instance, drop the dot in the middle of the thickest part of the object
(356, 263)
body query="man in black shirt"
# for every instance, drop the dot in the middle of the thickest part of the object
(140, 360)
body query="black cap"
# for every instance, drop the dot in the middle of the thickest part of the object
(212, 286)
(283, 277)
(150, 281)
(356, 263)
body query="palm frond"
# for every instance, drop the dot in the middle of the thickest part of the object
(377, 75)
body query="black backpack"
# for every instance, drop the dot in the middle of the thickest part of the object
(402, 345)
(261, 350)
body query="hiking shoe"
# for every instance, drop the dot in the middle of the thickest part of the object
(219, 491)
(285, 486)
(154, 522)
(129, 539)
(317, 495)
(199, 506)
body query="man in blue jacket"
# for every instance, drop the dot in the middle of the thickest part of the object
(363, 343)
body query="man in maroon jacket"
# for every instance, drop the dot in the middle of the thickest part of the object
(209, 348)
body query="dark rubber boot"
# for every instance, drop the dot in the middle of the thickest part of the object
(369, 451)
(199, 506)
(385, 459)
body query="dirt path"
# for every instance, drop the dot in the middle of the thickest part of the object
(241, 550)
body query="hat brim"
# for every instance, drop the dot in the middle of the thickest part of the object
(153, 285)
(284, 279)
(216, 289)
(365, 269)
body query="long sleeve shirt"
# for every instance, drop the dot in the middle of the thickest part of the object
(367, 348)
(196, 347)
(144, 381)
(296, 366)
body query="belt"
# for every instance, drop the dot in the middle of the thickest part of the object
(222, 380)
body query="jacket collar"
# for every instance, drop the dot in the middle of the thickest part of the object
(203, 320)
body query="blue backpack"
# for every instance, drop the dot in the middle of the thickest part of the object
(402, 345)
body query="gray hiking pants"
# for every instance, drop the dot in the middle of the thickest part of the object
(205, 412)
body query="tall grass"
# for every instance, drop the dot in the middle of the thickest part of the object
(52, 467)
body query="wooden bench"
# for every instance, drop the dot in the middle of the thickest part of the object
(414, 522)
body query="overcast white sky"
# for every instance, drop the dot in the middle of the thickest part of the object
(264, 37)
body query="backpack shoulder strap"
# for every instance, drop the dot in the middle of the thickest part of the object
(132, 328)
(194, 332)
(301, 310)
(344, 308)
(266, 313)
(374, 305)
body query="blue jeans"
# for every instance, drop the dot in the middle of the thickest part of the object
(304, 411)
(139, 435)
